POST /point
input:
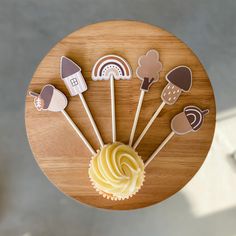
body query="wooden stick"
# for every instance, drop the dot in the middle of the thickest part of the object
(113, 110)
(159, 149)
(91, 119)
(78, 132)
(149, 125)
(33, 94)
(131, 138)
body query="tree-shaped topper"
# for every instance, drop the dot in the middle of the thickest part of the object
(147, 71)
(149, 68)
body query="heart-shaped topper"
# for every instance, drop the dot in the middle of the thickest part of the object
(49, 99)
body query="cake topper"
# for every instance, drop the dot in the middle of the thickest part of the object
(51, 99)
(179, 80)
(148, 71)
(72, 76)
(111, 67)
(75, 83)
(189, 120)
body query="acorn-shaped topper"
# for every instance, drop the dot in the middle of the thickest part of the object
(190, 119)
(50, 99)
(180, 79)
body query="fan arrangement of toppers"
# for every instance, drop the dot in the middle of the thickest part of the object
(116, 170)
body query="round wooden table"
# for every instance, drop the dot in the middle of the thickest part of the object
(61, 154)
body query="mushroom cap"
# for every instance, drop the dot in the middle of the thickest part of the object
(180, 76)
(68, 67)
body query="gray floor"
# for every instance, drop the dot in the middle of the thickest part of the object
(29, 204)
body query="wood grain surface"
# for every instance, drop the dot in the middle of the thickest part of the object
(61, 154)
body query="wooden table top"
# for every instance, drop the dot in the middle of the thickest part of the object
(61, 154)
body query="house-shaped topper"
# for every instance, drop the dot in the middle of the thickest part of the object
(72, 77)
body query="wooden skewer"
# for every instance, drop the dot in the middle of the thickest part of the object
(33, 94)
(148, 125)
(159, 149)
(78, 132)
(91, 119)
(136, 117)
(113, 110)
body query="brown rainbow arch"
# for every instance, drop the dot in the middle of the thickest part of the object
(116, 62)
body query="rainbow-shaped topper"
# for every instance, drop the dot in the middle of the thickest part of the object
(111, 66)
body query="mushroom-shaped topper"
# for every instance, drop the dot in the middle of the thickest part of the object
(180, 79)
(149, 68)
(180, 76)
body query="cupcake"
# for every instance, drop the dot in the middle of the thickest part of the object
(117, 171)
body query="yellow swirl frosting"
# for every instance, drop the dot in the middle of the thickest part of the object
(117, 171)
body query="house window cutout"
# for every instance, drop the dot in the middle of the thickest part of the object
(74, 82)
